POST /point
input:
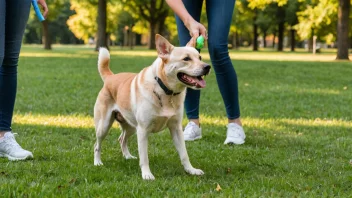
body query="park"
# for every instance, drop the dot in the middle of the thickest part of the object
(295, 104)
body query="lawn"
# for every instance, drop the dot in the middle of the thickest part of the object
(296, 111)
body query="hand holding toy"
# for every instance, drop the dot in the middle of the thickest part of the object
(200, 42)
(37, 10)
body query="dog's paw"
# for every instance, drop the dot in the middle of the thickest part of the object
(130, 157)
(98, 163)
(148, 176)
(194, 171)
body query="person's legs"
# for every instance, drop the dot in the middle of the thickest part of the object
(2, 53)
(13, 19)
(219, 18)
(194, 7)
(14, 15)
(219, 15)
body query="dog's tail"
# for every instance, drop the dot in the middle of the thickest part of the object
(103, 63)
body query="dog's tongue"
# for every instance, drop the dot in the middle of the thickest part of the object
(200, 83)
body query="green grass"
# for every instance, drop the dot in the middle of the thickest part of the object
(296, 111)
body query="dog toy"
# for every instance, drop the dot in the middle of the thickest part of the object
(37, 10)
(200, 42)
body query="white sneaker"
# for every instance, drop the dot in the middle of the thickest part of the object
(235, 134)
(192, 132)
(11, 149)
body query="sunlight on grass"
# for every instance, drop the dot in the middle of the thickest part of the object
(56, 54)
(320, 91)
(77, 121)
(235, 55)
(68, 121)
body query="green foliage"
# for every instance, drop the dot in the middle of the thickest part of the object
(262, 4)
(242, 19)
(318, 18)
(84, 22)
(59, 12)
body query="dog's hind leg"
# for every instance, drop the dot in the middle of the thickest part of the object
(103, 120)
(127, 131)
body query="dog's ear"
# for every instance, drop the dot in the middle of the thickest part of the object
(163, 46)
(191, 43)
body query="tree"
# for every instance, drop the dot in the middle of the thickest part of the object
(101, 34)
(265, 21)
(342, 29)
(59, 31)
(255, 31)
(242, 24)
(317, 18)
(84, 24)
(280, 14)
(292, 20)
(281, 27)
(55, 8)
(154, 12)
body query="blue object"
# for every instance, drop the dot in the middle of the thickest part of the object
(37, 10)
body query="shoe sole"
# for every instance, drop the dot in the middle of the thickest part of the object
(235, 141)
(196, 138)
(16, 158)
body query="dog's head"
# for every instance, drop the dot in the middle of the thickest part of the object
(183, 65)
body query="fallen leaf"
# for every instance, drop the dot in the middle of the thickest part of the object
(60, 186)
(3, 173)
(218, 188)
(73, 180)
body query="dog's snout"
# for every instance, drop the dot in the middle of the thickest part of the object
(207, 68)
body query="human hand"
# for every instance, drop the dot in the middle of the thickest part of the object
(195, 29)
(44, 6)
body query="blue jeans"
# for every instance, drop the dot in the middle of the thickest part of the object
(219, 14)
(13, 19)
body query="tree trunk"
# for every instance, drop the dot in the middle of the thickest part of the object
(255, 32)
(151, 44)
(264, 38)
(102, 35)
(238, 42)
(274, 38)
(46, 35)
(293, 39)
(255, 37)
(342, 29)
(235, 40)
(281, 28)
(280, 46)
(161, 25)
(310, 42)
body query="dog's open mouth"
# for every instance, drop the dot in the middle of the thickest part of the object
(196, 81)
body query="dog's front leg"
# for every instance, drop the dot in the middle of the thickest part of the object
(177, 137)
(142, 136)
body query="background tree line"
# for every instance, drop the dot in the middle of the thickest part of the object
(124, 22)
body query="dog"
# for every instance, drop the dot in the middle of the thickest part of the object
(149, 101)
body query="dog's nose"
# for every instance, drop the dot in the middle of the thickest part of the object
(206, 68)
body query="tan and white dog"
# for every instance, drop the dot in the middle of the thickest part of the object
(149, 101)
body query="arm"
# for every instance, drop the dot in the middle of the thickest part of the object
(192, 25)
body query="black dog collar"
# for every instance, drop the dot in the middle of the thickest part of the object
(163, 86)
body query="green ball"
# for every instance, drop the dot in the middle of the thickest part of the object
(200, 42)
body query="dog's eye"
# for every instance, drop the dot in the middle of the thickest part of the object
(200, 58)
(187, 58)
